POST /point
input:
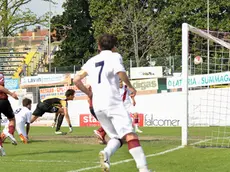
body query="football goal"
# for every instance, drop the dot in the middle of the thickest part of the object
(205, 87)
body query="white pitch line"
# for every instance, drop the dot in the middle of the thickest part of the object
(202, 141)
(128, 160)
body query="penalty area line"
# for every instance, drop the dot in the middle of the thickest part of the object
(128, 160)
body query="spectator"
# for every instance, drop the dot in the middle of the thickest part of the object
(24, 69)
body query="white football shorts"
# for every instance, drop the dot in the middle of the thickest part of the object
(116, 121)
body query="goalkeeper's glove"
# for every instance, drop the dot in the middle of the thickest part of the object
(70, 129)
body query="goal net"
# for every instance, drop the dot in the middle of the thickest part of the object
(205, 87)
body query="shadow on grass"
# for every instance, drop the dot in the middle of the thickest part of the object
(162, 142)
(152, 140)
(37, 141)
(30, 142)
(53, 151)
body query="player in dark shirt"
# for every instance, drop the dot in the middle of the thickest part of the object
(54, 105)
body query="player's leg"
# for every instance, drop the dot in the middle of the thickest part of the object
(8, 112)
(56, 110)
(59, 123)
(135, 149)
(123, 125)
(132, 111)
(23, 138)
(136, 122)
(100, 133)
(55, 120)
(5, 130)
(113, 144)
(20, 128)
(93, 113)
(2, 151)
(3, 137)
(33, 118)
(38, 112)
(10, 132)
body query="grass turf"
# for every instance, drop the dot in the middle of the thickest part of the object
(48, 152)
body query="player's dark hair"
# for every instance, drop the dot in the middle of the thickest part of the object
(69, 92)
(26, 102)
(107, 41)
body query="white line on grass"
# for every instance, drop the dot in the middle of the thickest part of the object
(128, 160)
(202, 141)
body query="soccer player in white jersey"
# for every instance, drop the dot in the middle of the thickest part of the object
(130, 106)
(22, 116)
(104, 71)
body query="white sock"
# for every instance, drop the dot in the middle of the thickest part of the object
(112, 146)
(139, 157)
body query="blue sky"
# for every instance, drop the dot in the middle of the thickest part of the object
(40, 7)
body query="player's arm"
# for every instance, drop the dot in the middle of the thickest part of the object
(64, 106)
(89, 100)
(77, 81)
(120, 71)
(133, 100)
(67, 116)
(68, 119)
(123, 76)
(5, 90)
(27, 129)
(28, 116)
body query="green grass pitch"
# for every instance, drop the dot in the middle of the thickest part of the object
(79, 150)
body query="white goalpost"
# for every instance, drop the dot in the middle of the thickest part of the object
(205, 87)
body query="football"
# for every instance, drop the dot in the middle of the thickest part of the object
(198, 60)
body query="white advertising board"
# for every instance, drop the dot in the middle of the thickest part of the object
(160, 110)
(145, 84)
(200, 80)
(206, 108)
(146, 72)
(45, 80)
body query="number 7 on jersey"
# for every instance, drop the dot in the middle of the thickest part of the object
(99, 64)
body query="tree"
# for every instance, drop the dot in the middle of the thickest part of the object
(74, 27)
(147, 39)
(194, 13)
(13, 18)
(58, 28)
(134, 23)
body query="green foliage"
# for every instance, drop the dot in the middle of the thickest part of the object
(13, 18)
(145, 29)
(74, 26)
(134, 23)
(194, 13)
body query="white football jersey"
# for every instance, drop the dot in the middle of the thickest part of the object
(22, 115)
(102, 72)
(125, 96)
